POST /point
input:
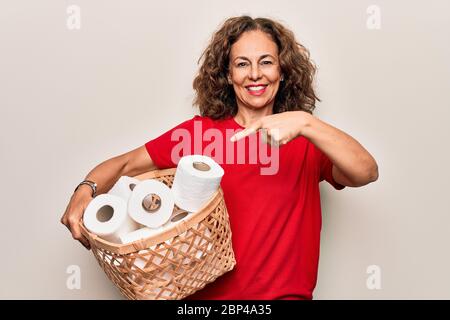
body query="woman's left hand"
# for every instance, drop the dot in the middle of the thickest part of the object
(277, 129)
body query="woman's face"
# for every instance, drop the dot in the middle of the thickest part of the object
(254, 70)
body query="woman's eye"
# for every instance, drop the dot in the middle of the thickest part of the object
(243, 64)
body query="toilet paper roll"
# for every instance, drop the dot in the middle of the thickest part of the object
(123, 187)
(151, 203)
(106, 216)
(197, 178)
(144, 233)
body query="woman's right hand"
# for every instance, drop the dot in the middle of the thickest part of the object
(74, 213)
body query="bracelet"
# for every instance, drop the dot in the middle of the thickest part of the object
(92, 184)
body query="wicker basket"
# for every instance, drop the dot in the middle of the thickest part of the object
(175, 263)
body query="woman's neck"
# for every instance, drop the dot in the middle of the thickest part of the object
(246, 116)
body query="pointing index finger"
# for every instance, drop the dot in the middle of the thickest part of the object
(246, 132)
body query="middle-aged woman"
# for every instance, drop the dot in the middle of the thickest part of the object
(255, 82)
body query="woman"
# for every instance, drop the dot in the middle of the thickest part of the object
(254, 76)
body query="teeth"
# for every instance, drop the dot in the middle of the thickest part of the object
(256, 88)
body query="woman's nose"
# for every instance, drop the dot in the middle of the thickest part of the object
(255, 72)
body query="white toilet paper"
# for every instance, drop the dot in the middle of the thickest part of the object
(156, 214)
(106, 216)
(144, 233)
(197, 178)
(123, 187)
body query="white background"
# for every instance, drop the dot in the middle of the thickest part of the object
(71, 99)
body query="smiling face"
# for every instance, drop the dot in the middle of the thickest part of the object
(254, 70)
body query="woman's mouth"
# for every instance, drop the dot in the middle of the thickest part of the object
(256, 90)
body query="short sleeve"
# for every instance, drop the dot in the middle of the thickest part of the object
(326, 170)
(161, 149)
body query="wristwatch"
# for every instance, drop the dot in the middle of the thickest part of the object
(92, 184)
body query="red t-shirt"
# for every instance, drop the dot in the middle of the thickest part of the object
(275, 216)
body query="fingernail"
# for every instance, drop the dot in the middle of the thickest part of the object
(233, 138)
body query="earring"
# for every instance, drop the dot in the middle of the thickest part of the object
(229, 81)
(282, 78)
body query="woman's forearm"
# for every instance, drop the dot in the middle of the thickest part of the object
(347, 154)
(105, 175)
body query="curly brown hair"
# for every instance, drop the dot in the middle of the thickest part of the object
(216, 98)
